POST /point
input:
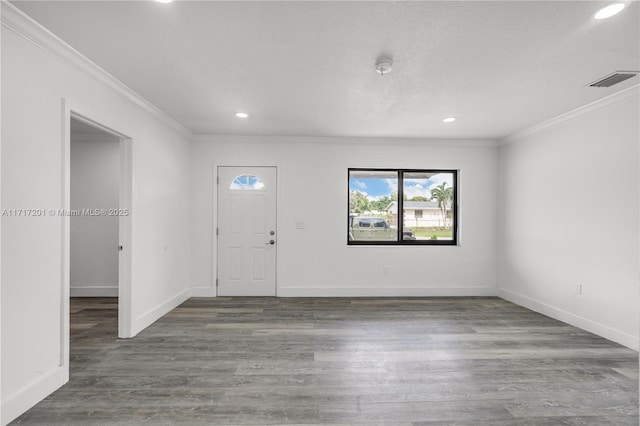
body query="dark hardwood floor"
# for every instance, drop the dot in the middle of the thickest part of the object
(330, 361)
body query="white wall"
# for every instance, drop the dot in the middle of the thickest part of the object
(583, 167)
(95, 184)
(1, 396)
(312, 187)
(38, 72)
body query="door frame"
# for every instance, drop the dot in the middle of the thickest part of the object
(214, 215)
(125, 283)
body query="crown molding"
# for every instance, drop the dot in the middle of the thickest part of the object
(342, 141)
(17, 21)
(599, 104)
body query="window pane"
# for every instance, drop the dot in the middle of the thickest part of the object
(247, 182)
(372, 205)
(428, 206)
(426, 199)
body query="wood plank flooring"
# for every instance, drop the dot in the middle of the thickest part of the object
(330, 361)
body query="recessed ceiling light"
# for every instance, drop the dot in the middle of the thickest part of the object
(242, 115)
(449, 120)
(609, 11)
(164, 1)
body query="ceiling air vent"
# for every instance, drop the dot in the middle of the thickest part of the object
(614, 78)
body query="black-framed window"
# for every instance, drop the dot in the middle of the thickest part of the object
(402, 207)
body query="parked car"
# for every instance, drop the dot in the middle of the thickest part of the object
(363, 228)
(370, 228)
(407, 234)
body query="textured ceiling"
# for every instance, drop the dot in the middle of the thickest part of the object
(307, 68)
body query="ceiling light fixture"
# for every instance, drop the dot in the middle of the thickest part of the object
(449, 120)
(609, 11)
(383, 65)
(242, 115)
(164, 1)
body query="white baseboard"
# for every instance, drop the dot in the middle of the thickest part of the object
(571, 319)
(95, 291)
(386, 292)
(148, 318)
(15, 405)
(203, 292)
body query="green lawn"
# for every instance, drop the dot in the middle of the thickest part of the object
(427, 232)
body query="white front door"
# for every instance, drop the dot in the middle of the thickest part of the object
(247, 231)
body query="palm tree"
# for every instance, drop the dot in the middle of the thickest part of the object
(443, 195)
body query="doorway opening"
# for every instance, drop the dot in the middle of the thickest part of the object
(94, 234)
(96, 296)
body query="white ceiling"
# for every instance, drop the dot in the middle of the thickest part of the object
(307, 68)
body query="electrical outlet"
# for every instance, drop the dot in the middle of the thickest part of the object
(386, 270)
(578, 288)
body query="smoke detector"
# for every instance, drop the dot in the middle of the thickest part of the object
(383, 66)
